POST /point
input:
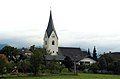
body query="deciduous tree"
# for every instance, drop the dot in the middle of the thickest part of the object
(68, 63)
(10, 52)
(3, 63)
(37, 58)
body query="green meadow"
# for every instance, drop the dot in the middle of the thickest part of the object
(79, 76)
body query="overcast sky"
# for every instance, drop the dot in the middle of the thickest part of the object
(78, 23)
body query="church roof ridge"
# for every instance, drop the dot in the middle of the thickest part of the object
(70, 47)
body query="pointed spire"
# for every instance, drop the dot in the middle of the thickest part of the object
(50, 27)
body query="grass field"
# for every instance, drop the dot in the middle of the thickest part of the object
(79, 76)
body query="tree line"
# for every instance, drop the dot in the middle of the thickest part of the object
(36, 64)
(11, 62)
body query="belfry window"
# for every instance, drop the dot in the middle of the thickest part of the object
(53, 42)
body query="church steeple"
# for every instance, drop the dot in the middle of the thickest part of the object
(50, 27)
(51, 38)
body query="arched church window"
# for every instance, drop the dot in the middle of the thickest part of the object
(53, 42)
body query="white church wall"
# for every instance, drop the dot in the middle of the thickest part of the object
(53, 48)
(45, 40)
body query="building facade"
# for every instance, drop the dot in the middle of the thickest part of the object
(51, 38)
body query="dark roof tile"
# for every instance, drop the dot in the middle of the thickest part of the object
(56, 57)
(116, 55)
(23, 51)
(73, 53)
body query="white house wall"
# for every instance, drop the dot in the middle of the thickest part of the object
(53, 47)
(88, 60)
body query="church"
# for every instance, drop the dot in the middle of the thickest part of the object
(60, 53)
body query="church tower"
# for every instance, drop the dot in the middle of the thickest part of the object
(51, 38)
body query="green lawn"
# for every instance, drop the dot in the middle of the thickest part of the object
(80, 76)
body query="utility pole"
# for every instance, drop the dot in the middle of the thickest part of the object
(74, 66)
(75, 69)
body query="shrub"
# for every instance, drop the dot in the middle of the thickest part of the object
(94, 68)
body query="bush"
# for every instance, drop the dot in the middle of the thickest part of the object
(83, 67)
(65, 70)
(94, 68)
(10, 67)
(24, 66)
(55, 67)
(115, 67)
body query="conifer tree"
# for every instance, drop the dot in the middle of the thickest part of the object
(94, 53)
(89, 52)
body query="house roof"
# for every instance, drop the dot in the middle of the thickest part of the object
(50, 26)
(115, 55)
(74, 53)
(56, 57)
(23, 51)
